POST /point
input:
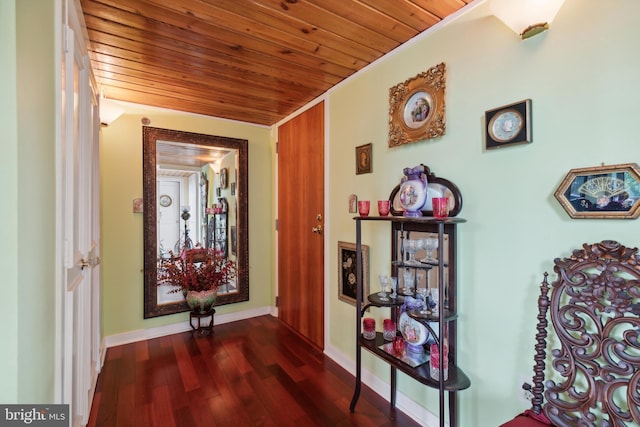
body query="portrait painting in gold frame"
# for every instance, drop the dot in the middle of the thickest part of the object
(417, 107)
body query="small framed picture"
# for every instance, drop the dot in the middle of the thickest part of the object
(353, 203)
(138, 205)
(601, 192)
(363, 159)
(224, 175)
(508, 125)
(347, 272)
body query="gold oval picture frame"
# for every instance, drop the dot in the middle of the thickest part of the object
(417, 107)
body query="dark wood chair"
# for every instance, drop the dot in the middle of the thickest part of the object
(595, 307)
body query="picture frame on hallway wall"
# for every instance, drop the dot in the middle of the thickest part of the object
(508, 125)
(224, 177)
(601, 192)
(363, 158)
(417, 107)
(347, 272)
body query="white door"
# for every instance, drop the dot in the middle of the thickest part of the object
(78, 223)
(168, 224)
(168, 229)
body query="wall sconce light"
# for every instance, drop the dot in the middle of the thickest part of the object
(526, 17)
(109, 111)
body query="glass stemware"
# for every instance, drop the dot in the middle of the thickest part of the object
(394, 287)
(423, 295)
(407, 275)
(429, 244)
(435, 301)
(420, 274)
(384, 281)
(411, 247)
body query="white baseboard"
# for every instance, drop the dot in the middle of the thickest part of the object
(410, 407)
(175, 328)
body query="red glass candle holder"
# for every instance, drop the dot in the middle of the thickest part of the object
(363, 207)
(389, 329)
(440, 207)
(369, 328)
(434, 362)
(398, 346)
(383, 207)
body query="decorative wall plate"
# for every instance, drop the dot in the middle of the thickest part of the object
(417, 107)
(165, 201)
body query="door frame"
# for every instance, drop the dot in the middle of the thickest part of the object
(79, 349)
(327, 221)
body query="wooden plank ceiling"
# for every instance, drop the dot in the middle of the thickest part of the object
(255, 61)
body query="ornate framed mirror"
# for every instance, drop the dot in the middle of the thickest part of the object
(181, 191)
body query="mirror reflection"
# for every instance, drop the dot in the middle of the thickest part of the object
(195, 188)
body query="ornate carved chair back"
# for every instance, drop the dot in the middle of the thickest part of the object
(594, 306)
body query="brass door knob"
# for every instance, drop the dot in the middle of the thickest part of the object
(317, 229)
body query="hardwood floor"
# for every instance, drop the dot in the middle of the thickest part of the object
(254, 372)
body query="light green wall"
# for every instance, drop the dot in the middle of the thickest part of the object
(9, 213)
(36, 165)
(582, 78)
(27, 230)
(122, 243)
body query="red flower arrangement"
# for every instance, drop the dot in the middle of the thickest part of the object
(199, 269)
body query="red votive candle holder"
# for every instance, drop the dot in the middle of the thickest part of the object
(389, 329)
(435, 362)
(363, 207)
(383, 207)
(369, 328)
(398, 346)
(440, 207)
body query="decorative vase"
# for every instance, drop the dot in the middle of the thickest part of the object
(413, 191)
(201, 301)
(415, 334)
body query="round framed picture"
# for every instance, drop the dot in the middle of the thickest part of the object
(417, 107)
(508, 125)
(165, 201)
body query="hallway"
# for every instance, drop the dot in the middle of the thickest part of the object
(254, 372)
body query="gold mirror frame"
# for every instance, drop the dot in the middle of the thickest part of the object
(150, 137)
(428, 88)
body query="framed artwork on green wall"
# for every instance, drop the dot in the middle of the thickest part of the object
(417, 107)
(601, 192)
(508, 125)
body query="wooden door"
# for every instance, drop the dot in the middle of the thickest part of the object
(300, 222)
